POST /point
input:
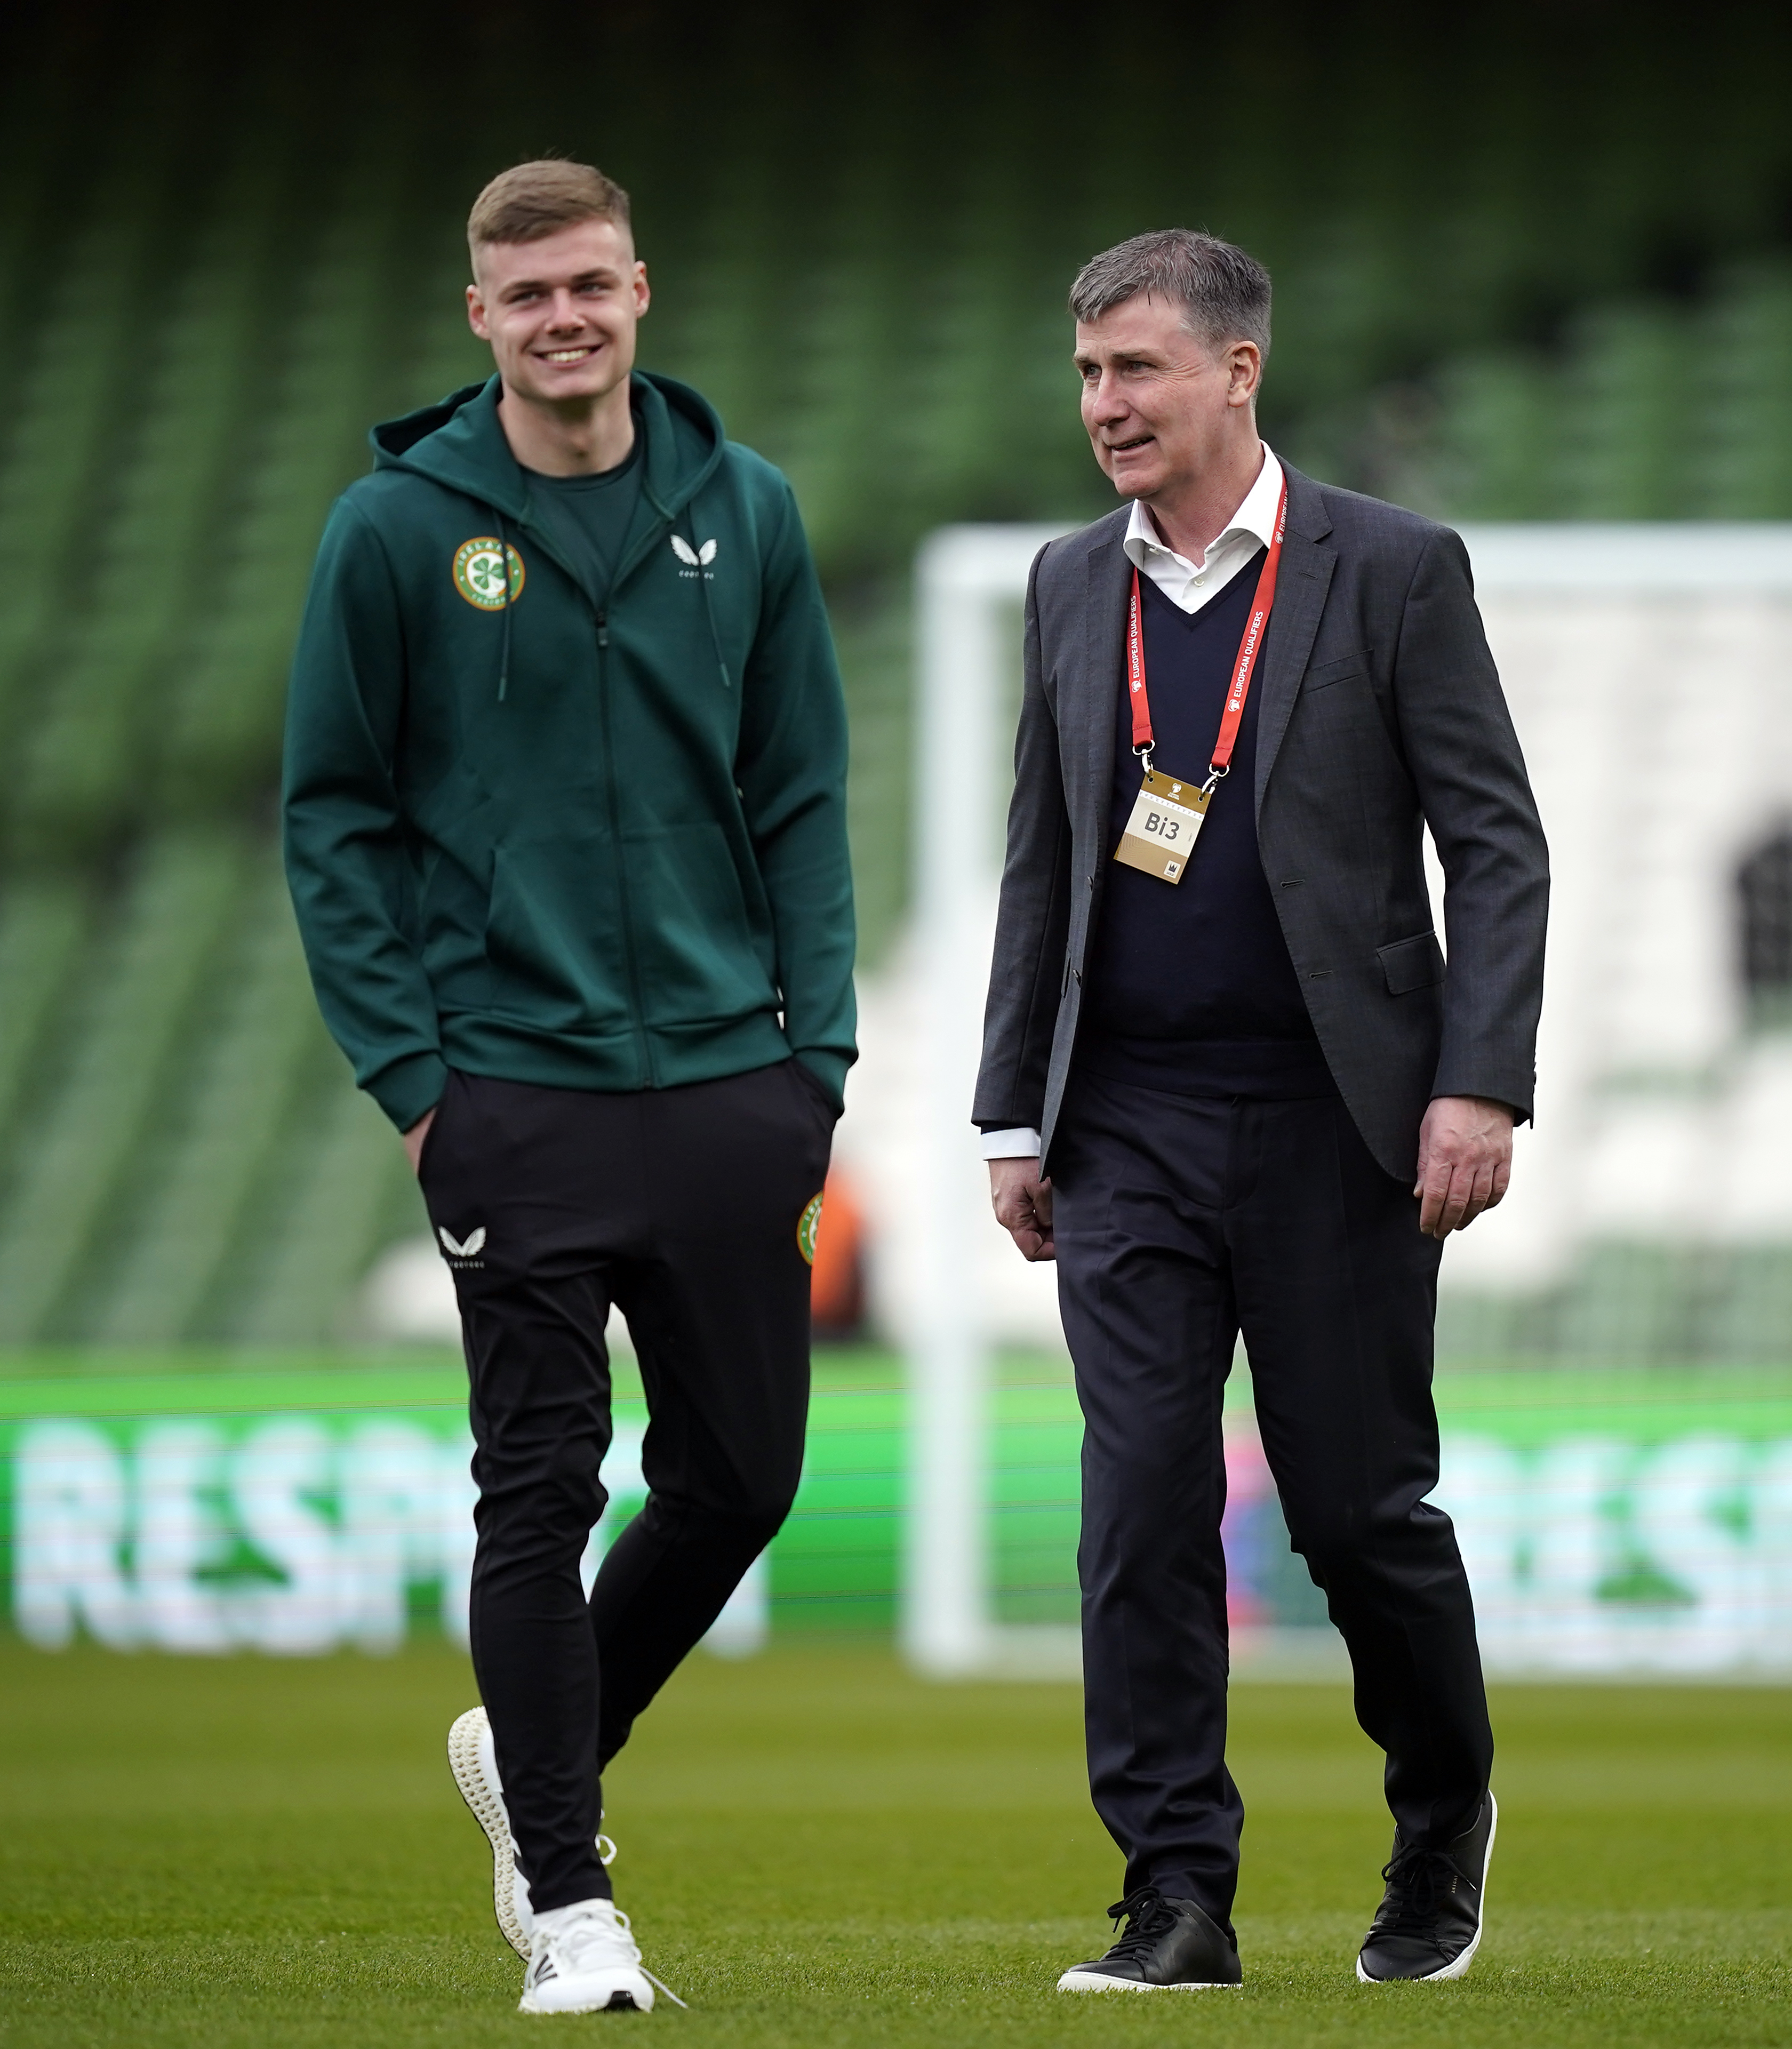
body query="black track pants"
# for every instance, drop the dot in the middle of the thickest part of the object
(681, 1207)
(1177, 1220)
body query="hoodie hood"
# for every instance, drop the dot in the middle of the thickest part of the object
(459, 442)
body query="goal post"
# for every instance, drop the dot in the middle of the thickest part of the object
(968, 579)
(1646, 666)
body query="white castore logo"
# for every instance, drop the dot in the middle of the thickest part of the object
(694, 557)
(474, 1245)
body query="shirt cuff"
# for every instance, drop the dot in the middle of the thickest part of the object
(1019, 1144)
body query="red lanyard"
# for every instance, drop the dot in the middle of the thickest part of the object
(1248, 647)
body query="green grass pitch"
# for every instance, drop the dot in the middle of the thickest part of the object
(818, 1849)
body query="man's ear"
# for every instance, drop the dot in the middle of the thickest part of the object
(1243, 365)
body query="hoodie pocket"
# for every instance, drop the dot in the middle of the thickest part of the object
(554, 934)
(701, 959)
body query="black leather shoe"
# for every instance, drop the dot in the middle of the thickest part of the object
(1429, 1924)
(1167, 1945)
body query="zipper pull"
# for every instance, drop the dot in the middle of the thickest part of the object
(603, 629)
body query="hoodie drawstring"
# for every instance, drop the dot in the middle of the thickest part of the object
(702, 584)
(709, 603)
(503, 565)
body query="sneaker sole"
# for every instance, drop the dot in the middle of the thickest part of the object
(488, 1810)
(1098, 1981)
(1461, 1964)
(617, 2002)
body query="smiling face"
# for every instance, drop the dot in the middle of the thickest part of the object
(1162, 408)
(560, 313)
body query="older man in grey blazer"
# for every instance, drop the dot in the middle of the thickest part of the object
(1232, 1081)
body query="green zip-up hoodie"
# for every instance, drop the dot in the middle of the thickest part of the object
(585, 839)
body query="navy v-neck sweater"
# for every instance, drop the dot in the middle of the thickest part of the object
(1189, 987)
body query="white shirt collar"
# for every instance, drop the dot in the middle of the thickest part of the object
(1255, 517)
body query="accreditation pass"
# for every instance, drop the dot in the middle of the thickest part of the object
(1167, 818)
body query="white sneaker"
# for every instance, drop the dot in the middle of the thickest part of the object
(584, 1960)
(473, 1759)
(474, 1762)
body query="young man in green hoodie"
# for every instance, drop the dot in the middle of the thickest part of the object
(566, 831)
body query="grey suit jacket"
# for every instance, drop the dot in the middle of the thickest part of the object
(1380, 709)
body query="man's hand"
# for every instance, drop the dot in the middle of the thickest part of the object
(414, 1140)
(1465, 1161)
(1022, 1206)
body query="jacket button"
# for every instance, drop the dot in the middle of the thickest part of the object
(1091, 880)
(1076, 976)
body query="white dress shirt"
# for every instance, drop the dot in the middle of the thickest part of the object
(1188, 584)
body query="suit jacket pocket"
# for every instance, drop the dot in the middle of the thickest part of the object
(1321, 675)
(1413, 963)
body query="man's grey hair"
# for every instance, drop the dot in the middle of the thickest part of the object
(1224, 292)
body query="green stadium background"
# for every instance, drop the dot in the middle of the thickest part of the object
(1533, 262)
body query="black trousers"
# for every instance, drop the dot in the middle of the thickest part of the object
(1179, 1220)
(681, 1207)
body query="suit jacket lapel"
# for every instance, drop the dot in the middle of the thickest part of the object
(1301, 585)
(1096, 675)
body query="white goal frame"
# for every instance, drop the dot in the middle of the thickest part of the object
(967, 576)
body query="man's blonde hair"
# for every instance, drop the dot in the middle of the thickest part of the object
(534, 199)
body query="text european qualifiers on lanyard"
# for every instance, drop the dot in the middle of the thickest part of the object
(1168, 814)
